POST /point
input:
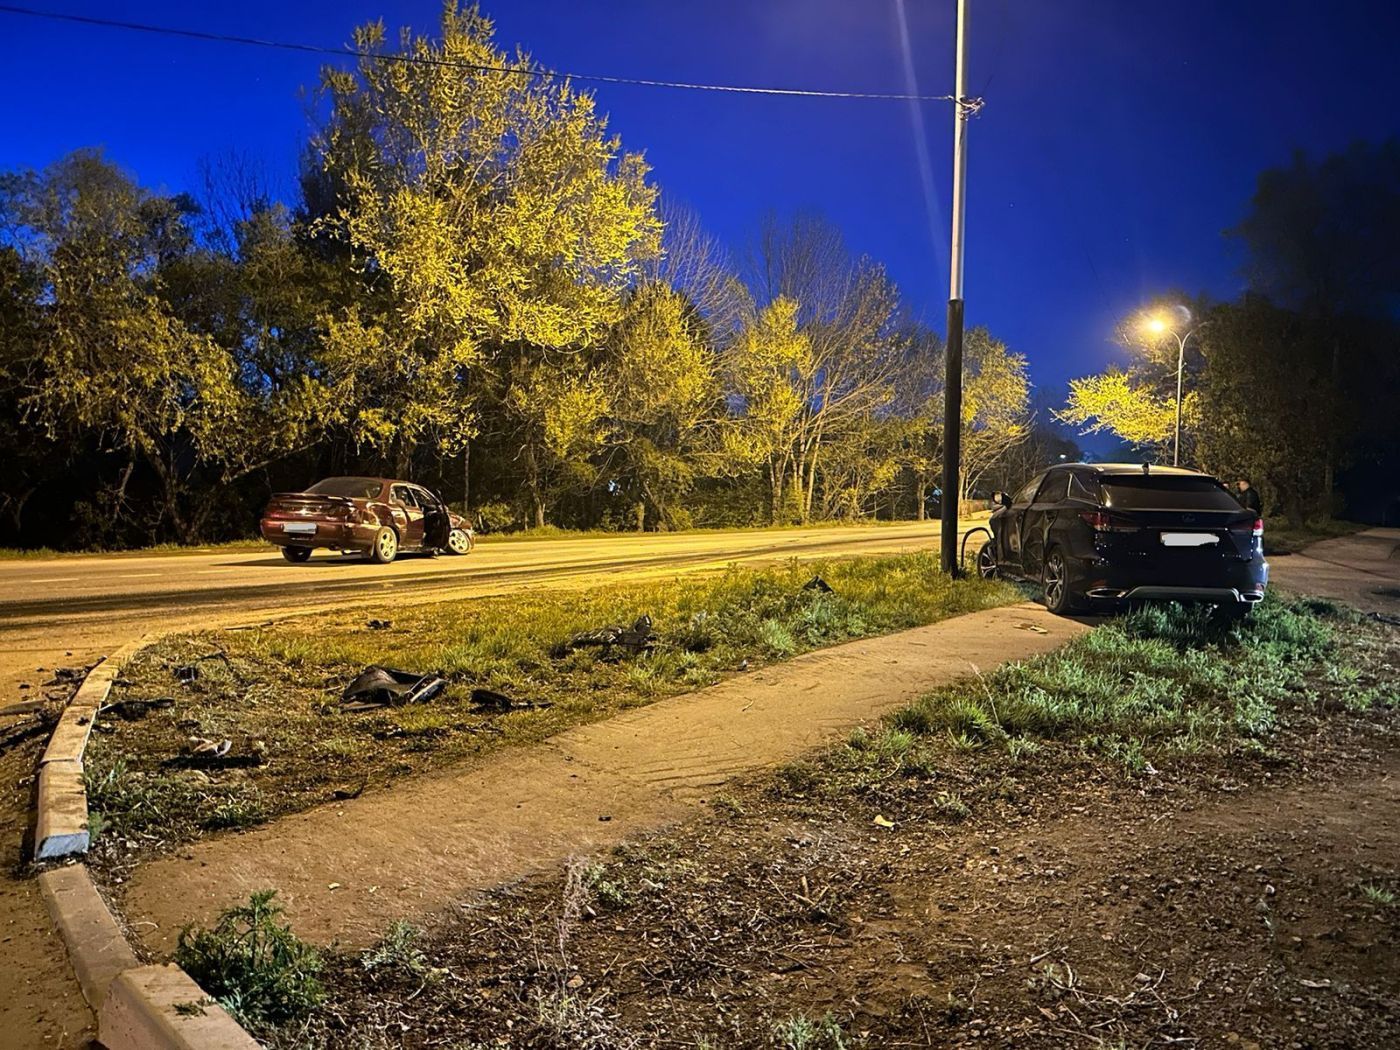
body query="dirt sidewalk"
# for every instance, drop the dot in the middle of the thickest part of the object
(347, 871)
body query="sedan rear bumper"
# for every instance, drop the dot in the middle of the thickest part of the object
(332, 534)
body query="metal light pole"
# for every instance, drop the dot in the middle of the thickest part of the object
(953, 367)
(1158, 326)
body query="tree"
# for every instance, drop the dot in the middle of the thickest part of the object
(665, 400)
(1267, 406)
(496, 226)
(996, 398)
(1117, 402)
(112, 362)
(768, 370)
(846, 309)
(1323, 238)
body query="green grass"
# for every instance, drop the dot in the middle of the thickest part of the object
(276, 690)
(1166, 680)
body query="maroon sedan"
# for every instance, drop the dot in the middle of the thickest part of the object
(378, 517)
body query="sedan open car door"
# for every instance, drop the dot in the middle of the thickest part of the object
(436, 523)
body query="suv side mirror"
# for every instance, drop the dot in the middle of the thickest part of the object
(1000, 499)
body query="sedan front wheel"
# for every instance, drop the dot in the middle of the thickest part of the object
(459, 541)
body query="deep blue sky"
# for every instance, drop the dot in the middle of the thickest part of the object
(1120, 137)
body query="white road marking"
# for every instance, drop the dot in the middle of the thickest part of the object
(58, 579)
(139, 575)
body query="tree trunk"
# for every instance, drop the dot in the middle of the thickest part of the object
(921, 494)
(467, 478)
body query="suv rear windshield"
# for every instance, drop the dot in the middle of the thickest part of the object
(1164, 492)
(355, 488)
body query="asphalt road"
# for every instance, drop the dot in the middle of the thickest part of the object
(71, 610)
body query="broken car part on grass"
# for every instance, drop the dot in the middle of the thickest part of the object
(377, 686)
(615, 641)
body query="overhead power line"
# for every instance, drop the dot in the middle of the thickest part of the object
(971, 104)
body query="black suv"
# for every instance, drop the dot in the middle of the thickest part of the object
(1096, 535)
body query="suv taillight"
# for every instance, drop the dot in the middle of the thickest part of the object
(1103, 521)
(1254, 528)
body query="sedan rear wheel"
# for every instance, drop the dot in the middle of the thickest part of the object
(459, 541)
(1059, 599)
(386, 546)
(296, 555)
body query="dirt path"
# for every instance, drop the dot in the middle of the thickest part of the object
(347, 871)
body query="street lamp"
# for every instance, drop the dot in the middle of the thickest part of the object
(1160, 325)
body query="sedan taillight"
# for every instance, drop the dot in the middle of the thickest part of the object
(1254, 528)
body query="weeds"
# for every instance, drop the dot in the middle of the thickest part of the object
(398, 952)
(1380, 896)
(257, 969)
(804, 1033)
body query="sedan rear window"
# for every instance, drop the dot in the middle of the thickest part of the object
(1165, 492)
(355, 488)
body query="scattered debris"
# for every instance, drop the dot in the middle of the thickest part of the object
(134, 710)
(185, 673)
(377, 686)
(494, 702)
(816, 583)
(209, 748)
(743, 664)
(882, 821)
(1386, 618)
(343, 794)
(1034, 628)
(615, 641)
(68, 675)
(379, 625)
(24, 707)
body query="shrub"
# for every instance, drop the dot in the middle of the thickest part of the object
(252, 963)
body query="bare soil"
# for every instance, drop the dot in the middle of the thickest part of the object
(1214, 904)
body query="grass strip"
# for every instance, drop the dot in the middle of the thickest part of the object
(273, 692)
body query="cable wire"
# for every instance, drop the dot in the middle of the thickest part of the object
(969, 105)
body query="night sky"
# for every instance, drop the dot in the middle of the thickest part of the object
(1118, 141)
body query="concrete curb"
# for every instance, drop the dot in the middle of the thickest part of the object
(159, 1006)
(138, 1007)
(62, 826)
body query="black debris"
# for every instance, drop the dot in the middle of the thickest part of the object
(377, 686)
(615, 642)
(816, 583)
(135, 710)
(488, 700)
(67, 675)
(379, 625)
(185, 672)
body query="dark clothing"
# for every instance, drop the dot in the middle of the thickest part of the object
(1249, 500)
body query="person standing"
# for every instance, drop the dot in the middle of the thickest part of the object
(1248, 496)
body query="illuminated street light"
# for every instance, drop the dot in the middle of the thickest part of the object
(1159, 324)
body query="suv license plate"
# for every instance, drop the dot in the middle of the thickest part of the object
(1189, 539)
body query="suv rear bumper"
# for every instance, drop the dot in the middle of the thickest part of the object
(1214, 595)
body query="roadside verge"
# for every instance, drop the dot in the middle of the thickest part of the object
(137, 1007)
